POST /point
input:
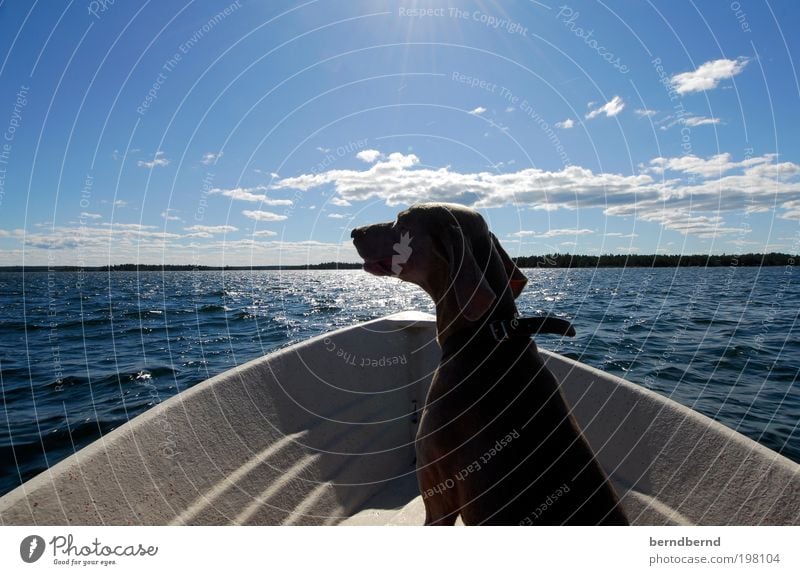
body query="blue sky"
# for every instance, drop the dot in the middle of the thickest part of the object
(238, 133)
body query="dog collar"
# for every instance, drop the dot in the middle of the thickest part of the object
(506, 329)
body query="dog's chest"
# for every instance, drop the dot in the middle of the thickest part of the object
(507, 386)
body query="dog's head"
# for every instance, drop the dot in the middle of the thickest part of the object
(446, 249)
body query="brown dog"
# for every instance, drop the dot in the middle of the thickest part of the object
(496, 442)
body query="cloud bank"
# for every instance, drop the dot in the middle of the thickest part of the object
(688, 194)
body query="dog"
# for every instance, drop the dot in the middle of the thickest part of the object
(496, 443)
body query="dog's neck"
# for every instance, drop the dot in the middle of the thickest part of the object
(462, 337)
(449, 315)
(450, 318)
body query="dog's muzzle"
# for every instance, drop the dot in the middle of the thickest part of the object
(373, 243)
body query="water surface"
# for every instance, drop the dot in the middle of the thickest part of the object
(81, 354)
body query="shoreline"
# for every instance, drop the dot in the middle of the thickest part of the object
(548, 261)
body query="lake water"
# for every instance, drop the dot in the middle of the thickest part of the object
(80, 354)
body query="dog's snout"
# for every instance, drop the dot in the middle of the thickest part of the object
(357, 233)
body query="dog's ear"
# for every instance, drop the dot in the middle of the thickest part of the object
(473, 293)
(516, 279)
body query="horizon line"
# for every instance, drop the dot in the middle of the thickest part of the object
(552, 260)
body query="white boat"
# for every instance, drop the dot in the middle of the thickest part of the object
(322, 432)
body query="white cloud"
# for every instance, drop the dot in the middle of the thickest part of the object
(566, 232)
(708, 75)
(242, 194)
(693, 121)
(143, 243)
(158, 160)
(566, 124)
(120, 203)
(714, 165)
(687, 120)
(645, 113)
(134, 227)
(341, 202)
(96, 246)
(96, 240)
(695, 187)
(212, 229)
(793, 210)
(701, 226)
(369, 156)
(337, 216)
(210, 157)
(477, 111)
(249, 195)
(262, 216)
(167, 215)
(553, 233)
(354, 185)
(690, 195)
(323, 150)
(610, 109)
(399, 182)
(90, 216)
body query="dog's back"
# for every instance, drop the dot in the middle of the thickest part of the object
(508, 451)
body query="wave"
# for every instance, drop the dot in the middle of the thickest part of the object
(100, 380)
(213, 307)
(24, 457)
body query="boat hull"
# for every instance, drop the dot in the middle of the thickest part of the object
(322, 433)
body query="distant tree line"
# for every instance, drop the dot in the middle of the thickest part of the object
(179, 268)
(558, 260)
(170, 267)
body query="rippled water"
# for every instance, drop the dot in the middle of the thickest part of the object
(80, 354)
